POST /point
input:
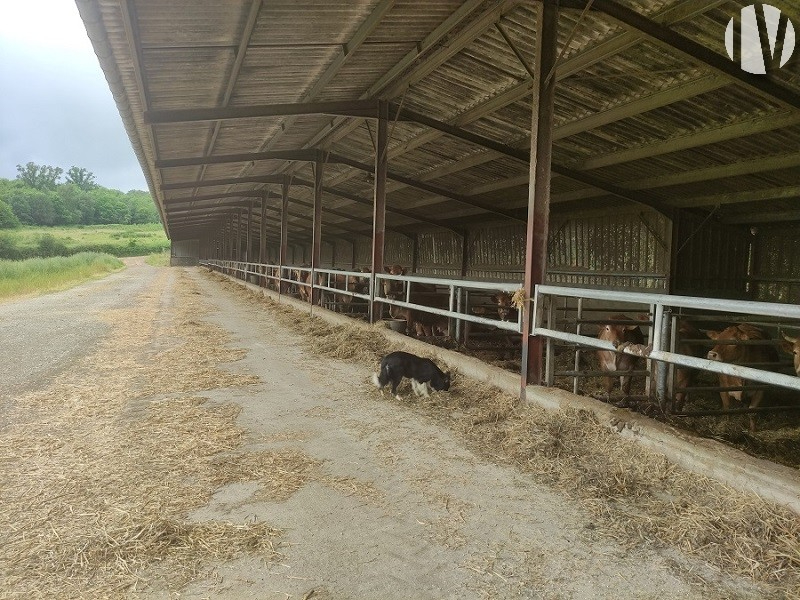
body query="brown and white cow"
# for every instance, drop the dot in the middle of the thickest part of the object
(684, 376)
(610, 362)
(740, 354)
(419, 323)
(792, 346)
(505, 307)
(303, 277)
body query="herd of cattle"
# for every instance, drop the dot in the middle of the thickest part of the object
(739, 344)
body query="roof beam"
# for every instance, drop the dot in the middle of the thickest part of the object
(764, 85)
(352, 108)
(693, 140)
(241, 51)
(745, 167)
(346, 51)
(781, 193)
(762, 217)
(359, 200)
(288, 155)
(460, 198)
(221, 182)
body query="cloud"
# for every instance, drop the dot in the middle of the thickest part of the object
(56, 108)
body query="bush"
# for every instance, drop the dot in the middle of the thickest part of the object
(49, 246)
(8, 220)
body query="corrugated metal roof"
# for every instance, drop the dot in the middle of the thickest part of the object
(631, 109)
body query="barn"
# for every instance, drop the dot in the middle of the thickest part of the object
(588, 157)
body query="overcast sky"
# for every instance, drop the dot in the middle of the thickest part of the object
(55, 105)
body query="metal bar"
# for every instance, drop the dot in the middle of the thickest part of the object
(539, 188)
(773, 309)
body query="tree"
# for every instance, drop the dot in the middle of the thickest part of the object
(8, 220)
(82, 178)
(40, 177)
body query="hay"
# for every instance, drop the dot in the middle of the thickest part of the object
(97, 476)
(634, 495)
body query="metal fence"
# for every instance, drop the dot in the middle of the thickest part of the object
(661, 308)
(661, 346)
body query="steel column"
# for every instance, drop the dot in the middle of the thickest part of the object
(379, 206)
(262, 228)
(249, 237)
(284, 232)
(539, 186)
(316, 238)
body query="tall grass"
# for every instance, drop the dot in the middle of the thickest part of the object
(39, 275)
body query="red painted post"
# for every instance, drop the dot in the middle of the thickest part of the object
(316, 239)
(539, 185)
(284, 231)
(379, 210)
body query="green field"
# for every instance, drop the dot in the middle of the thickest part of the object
(117, 240)
(41, 275)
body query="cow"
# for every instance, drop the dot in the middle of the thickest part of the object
(610, 362)
(303, 277)
(505, 307)
(351, 283)
(419, 323)
(792, 346)
(684, 376)
(740, 354)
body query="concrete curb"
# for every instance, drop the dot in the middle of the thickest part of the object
(773, 482)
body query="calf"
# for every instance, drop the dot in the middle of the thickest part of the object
(611, 362)
(684, 376)
(417, 322)
(423, 372)
(505, 307)
(739, 354)
(792, 346)
(303, 277)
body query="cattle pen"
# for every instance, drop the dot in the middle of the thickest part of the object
(589, 159)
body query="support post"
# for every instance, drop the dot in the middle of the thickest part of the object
(316, 239)
(379, 206)
(539, 186)
(262, 236)
(283, 287)
(248, 253)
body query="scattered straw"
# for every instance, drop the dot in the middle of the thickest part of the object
(97, 476)
(634, 495)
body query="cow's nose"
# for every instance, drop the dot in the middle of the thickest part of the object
(713, 355)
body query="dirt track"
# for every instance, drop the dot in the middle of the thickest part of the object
(372, 499)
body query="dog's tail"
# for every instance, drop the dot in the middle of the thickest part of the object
(382, 378)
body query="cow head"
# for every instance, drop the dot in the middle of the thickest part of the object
(393, 289)
(792, 346)
(732, 353)
(619, 332)
(505, 305)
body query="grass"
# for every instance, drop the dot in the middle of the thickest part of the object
(117, 240)
(40, 275)
(158, 259)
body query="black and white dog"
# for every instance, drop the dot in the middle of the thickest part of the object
(421, 371)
